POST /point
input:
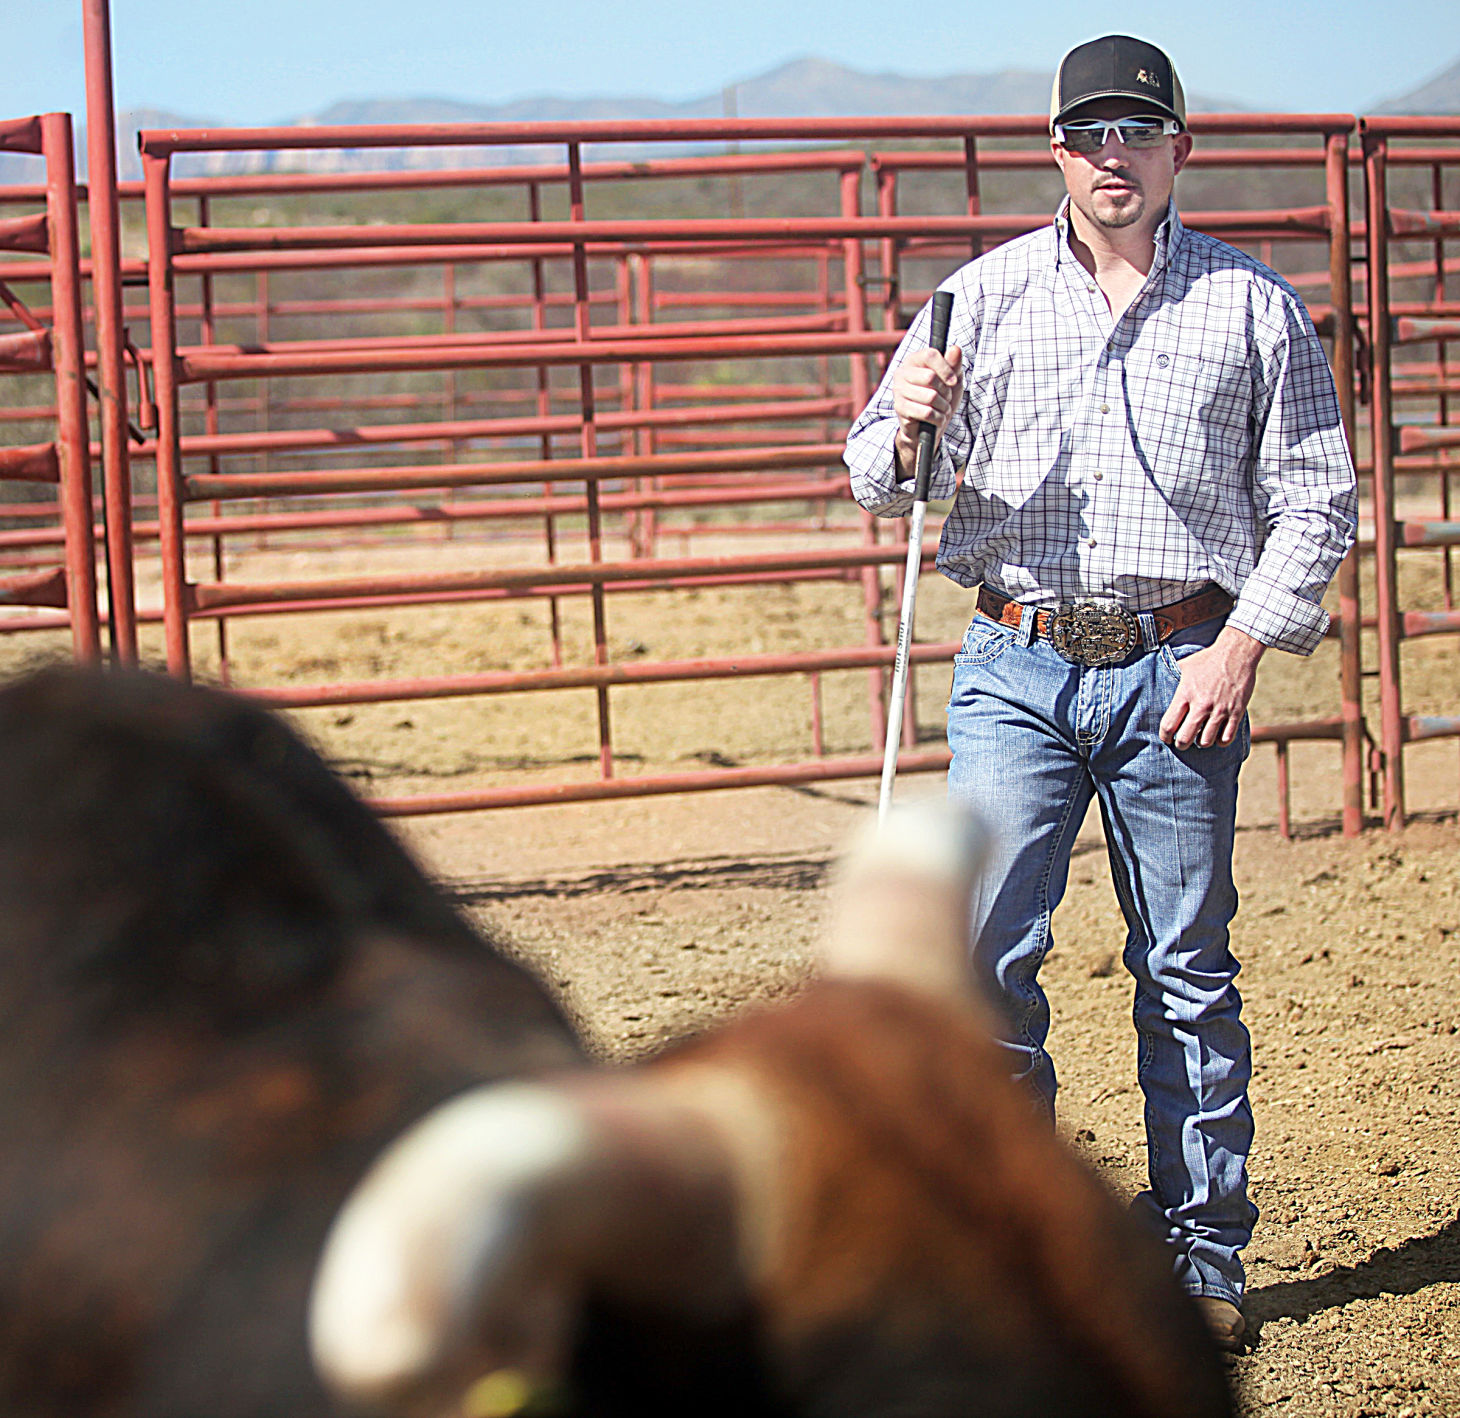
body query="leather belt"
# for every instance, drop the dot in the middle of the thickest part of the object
(1103, 632)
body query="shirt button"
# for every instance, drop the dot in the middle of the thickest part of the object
(1104, 408)
(1098, 476)
(1090, 286)
(1091, 542)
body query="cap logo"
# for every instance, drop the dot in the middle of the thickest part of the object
(1145, 76)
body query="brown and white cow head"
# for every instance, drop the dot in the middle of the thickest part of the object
(224, 990)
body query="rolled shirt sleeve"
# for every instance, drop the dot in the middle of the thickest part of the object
(1304, 491)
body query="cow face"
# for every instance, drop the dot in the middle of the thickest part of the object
(842, 1206)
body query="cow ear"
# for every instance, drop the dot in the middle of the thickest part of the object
(472, 1249)
(903, 898)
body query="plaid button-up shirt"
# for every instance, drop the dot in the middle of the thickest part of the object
(1195, 439)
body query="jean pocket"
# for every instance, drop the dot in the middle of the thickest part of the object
(1170, 653)
(984, 640)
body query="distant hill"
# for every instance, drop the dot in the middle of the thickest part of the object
(20, 168)
(804, 88)
(1440, 94)
(817, 88)
(809, 87)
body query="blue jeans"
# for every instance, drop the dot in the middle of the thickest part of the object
(1033, 738)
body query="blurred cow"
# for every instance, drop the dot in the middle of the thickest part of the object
(224, 989)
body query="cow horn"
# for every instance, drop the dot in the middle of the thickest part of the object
(470, 1247)
(903, 896)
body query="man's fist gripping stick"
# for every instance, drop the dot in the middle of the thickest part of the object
(927, 432)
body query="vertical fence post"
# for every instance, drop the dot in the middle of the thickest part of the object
(888, 249)
(970, 182)
(169, 450)
(103, 213)
(1391, 725)
(69, 361)
(861, 391)
(589, 444)
(645, 440)
(544, 409)
(1284, 792)
(829, 386)
(890, 263)
(1340, 287)
(452, 447)
(1442, 353)
(856, 287)
(623, 288)
(208, 335)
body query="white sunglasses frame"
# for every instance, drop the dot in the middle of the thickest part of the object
(1169, 128)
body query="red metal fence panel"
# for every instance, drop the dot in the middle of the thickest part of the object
(624, 375)
(57, 349)
(1414, 440)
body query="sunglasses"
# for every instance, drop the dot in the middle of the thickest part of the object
(1089, 135)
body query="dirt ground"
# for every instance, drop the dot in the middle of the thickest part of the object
(655, 917)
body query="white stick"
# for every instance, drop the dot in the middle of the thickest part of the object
(910, 574)
(942, 311)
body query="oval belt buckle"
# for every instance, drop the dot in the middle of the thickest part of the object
(1093, 633)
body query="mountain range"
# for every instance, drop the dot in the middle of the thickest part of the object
(1440, 94)
(802, 88)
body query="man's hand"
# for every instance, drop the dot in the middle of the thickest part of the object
(927, 388)
(1216, 685)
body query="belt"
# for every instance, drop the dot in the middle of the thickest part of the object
(1103, 632)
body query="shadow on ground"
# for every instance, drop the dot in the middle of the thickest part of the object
(1400, 1270)
(772, 873)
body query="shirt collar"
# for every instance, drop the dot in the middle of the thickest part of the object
(1169, 235)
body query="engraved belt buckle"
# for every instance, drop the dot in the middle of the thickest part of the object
(1093, 633)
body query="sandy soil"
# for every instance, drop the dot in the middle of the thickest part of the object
(654, 918)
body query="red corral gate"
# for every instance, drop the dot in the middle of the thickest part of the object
(1412, 220)
(624, 398)
(44, 350)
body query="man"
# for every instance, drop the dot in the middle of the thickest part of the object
(1157, 490)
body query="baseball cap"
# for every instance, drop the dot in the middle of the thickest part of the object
(1116, 66)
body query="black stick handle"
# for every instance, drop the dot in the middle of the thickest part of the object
(937, 340)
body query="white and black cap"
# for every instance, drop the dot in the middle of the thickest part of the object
(1116, 66)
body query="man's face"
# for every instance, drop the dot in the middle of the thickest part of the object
(1119, 185)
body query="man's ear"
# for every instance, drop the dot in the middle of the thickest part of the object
(1182, 149)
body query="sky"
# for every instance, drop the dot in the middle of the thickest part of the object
(261, 61)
